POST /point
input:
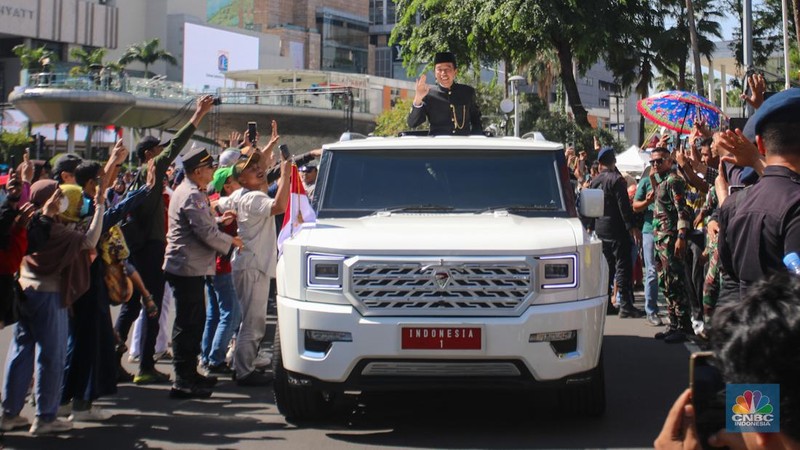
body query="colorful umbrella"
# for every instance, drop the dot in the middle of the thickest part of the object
(678, 110)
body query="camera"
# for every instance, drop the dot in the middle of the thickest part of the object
(708, 395)
(217, 101)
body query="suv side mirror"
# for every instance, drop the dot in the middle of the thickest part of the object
(591, 203)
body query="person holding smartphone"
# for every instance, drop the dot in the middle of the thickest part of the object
(753, 342)
(254, 263)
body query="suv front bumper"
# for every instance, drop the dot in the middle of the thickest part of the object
(374, 358)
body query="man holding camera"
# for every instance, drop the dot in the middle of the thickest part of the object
(146, 238)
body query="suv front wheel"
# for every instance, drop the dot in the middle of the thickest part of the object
(296, 402)
(588, 399)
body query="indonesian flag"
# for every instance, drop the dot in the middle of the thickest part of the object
(298, 212)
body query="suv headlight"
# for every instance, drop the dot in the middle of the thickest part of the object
(324, 271)
(558, 271)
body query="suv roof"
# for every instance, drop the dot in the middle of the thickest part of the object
(445, 142)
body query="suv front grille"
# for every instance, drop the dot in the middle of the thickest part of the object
(441, 288)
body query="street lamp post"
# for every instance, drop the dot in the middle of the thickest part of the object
(515, 80)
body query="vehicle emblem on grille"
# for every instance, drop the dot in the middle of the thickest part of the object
(441, 277)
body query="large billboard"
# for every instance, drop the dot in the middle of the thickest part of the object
(230, 13)
(208, 53)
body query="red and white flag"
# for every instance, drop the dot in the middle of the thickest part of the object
(298, 211)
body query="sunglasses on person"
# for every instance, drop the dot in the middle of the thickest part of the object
(656, 161)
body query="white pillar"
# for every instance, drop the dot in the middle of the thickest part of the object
(71, 138)
(723, 95)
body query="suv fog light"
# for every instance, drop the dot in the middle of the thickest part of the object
(552, 336)
(321, 340)
(562, 342)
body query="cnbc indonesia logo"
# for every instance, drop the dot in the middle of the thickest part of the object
(753, 409)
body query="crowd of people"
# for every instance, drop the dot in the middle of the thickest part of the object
(716, 222)
(668, 222)
(710, 219)
(198, 236)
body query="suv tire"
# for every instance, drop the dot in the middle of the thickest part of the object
(296, 403)
(588, 399)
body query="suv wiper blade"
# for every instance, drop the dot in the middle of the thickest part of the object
(414, 208)
(518, 208)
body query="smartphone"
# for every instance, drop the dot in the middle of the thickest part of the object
(708, 395)
(735, 188)
(285, 152)
(13, 163)
(252, 130)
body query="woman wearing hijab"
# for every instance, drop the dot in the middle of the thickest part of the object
(52, 278)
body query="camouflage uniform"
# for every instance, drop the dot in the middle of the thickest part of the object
(711, 284)
(671, 214)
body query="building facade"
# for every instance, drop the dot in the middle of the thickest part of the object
(58, 25)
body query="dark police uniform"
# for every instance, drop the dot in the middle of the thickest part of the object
(449, 111)
(614, 230)
(193, 241)
(761, 224)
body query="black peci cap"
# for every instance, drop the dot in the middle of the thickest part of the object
(444, 57)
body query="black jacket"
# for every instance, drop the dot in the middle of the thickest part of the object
(617, 217)
(760, 225)
(449, 111)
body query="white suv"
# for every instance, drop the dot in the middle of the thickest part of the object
(446, 262)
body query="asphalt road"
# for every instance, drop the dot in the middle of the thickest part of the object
(643, 377)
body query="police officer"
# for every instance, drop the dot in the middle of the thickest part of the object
(617, 230)
(761, 224)
(449, 106)
(671, 220)
(193, 241)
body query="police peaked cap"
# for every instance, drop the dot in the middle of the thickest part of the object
(606, 154)
(195, 157)
(444, 57)
(781, 107)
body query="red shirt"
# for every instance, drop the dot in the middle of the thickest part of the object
(223, 262)
(11, 258)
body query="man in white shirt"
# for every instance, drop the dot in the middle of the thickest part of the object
(254, 263)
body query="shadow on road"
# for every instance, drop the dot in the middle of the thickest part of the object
(150, 420)
(637, 401)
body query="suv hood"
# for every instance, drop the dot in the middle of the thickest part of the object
(443, 234)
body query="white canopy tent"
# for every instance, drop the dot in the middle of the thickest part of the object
(633, 160)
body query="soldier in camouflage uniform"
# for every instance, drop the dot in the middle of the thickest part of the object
(671, 219)
(711, 284)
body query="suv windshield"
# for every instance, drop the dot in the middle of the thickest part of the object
(360, 183)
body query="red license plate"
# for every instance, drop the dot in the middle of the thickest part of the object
(441, 338)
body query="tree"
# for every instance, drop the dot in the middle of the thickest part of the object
(32, 58)
(147, 53)
(508, 30)
(639, 46)
(87, 60)
(796, 5)
(767, 31)
(13, 143)
(392, 121)
(694, 39)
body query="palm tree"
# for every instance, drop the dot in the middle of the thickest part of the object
(87, 60)
(32, 58)
(147, 53)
